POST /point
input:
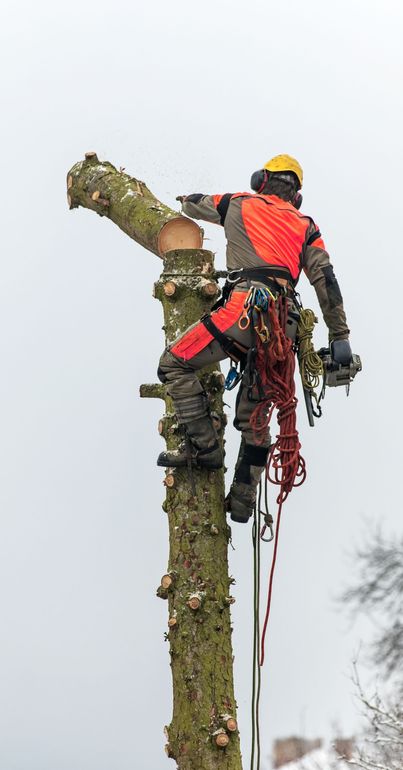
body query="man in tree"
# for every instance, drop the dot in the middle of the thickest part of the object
(269, 243)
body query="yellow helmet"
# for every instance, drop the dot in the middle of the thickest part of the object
(285, 163)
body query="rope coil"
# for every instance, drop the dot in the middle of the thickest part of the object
(310, 363)
(275, 366)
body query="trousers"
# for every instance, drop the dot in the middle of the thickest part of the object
(197, 348)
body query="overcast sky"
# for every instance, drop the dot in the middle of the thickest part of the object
(190, 97)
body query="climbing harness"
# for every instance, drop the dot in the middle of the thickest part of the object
(233, 349)
(266, 275)
(255, 305)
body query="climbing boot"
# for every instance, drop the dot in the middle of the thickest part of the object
(200, 449)
(241, 499)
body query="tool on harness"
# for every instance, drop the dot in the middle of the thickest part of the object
(260, 327)
(255, 391)
(244, 320)
(233, 377)
(256, 299)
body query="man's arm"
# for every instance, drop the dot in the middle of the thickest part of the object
(317, 267)
(211, 208)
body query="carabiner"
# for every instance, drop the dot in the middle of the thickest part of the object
(263, 331)
(244, 320)
(232, 378)
(268, 523)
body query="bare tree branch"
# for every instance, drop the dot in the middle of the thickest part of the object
(378, 592)
(383, 740)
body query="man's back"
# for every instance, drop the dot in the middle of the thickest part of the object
(260, 229)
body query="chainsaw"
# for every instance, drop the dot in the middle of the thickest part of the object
(334, 375)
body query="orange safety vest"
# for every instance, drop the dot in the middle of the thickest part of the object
(276, 229)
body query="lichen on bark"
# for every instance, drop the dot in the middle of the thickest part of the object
(199, 626)
(200, 639)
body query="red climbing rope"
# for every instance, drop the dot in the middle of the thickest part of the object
(275, 367)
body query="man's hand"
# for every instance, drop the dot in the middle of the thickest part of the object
(180, 198)
(341, 352)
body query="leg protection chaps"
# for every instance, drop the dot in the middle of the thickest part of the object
(202, 448)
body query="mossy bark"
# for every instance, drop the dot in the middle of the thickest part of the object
(199, 597)
(203, 733)
(129, 203)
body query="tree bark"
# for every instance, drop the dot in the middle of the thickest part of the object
(203, 734)
(131, 205)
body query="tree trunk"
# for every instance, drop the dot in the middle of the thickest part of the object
(203, 734)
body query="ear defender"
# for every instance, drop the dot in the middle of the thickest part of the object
(258, 180)
(297, 202)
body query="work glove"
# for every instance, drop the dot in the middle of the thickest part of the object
(341, 352)
(180, 198)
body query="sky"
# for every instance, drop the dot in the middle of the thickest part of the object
(190, 98)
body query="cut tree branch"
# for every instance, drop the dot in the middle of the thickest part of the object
(131, 205)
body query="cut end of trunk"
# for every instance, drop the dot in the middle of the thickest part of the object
(91, 156)
(180, 233)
